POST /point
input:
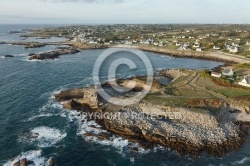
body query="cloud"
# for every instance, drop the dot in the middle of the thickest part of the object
(86, 1)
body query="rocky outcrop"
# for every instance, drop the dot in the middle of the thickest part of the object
(23, 162)
(9, 56)
(181, 129)
(191, 135)
(53, 54)
(69, 95)
(16, 31)
(51, 161)
(171, 73)
(29, 44)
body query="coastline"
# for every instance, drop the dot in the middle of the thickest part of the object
(177, 128)
(213, 56)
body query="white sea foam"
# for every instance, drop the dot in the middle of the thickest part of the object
(241, 162)
(33, 60)
(39, 116)
(132, 160)
(45, 115)
(22, 54)
(44, 136)
(34, 156)
(51, 104)
(85, 126)
(26, 59)
(80, 83)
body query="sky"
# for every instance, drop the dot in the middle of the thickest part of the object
(124, 11)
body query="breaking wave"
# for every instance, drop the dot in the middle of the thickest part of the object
(44, 136)
(34, 156)
(242, 162)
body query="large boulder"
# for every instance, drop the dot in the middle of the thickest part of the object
(69, 95)
(51, 161)
(24, 162)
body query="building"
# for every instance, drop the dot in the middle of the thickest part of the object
(182, 48)
(216, 48)
(235, 44)
(233, 49)
(228, 72)
(245, 81)
(198, 49)
(196, 46)
(215, 74)
(177, 44)
(90, 98)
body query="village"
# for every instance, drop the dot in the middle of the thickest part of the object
(215, 38)
(224, 38)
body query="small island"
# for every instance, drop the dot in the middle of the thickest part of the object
(53, 54)
(9, 56)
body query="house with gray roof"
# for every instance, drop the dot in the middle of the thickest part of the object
(228, 72)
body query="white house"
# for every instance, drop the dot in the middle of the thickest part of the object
(182, 48)
(196, 46)
(160, 45)
(177, 44)
(233, 49)
(228, 72)
(216, 48)
(245, 81)
(198, 49)
(156, 43)
(235, 44)
(215, 74)
(186, 44)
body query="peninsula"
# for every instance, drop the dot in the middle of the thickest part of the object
(191, 115)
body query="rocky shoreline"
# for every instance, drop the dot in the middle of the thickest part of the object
(213, 56)
(53, 54)
(29, 44)
(180, 129)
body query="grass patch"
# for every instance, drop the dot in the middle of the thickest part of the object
(232, 92)
(166, 101)
(181, 79)
(201, 111)
(244, 65)
(214, 111)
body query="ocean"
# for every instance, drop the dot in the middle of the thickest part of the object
(27, 107)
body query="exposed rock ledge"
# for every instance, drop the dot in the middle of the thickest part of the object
(29, 44)
(9, 56)
(187, 132)
(53, 54)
